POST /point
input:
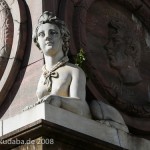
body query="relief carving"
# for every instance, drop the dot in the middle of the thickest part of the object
(5, 35)
(89, 24)
(118, 57)
(124, 50)
(13, 35)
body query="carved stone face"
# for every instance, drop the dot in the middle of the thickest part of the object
(49, 39)
(123, 54)
(116, 47)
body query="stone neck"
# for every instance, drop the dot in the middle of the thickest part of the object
(51, 61)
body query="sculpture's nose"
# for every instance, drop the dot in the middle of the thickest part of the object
(105, 46)
(47, 35)
(47, 38)
(108, 45)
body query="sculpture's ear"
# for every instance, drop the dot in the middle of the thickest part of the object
(35, 38)
(132, 48)
(134, 52)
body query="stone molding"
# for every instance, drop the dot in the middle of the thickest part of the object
(18, 14)
(46, 120)
(6, 34)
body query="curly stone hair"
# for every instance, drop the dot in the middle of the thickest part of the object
(48, 17)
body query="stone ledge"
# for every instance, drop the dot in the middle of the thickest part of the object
(64, 136)
(61, 121)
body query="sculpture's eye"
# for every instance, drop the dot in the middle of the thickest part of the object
(41, 34)
(116, 41)
(53, 32)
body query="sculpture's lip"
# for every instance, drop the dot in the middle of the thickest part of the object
(109, 54)
(49, 42)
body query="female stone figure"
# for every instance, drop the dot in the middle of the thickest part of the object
(61, 84)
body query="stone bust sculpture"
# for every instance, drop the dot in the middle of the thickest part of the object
(62, 84)
(124, 51)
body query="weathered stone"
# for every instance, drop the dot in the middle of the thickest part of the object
(61, 126)
(62, 84)
(35, 145)
(76, 13)
(62, 118)
(22, 94)
(132, 142)
(16, 38)
(31, 49)
(106, 113)
(55, 137)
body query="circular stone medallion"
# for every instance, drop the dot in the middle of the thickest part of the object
(13, 25)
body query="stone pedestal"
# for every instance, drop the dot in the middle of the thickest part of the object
(46, 127)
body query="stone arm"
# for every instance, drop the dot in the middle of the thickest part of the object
(75, 102)
(71, 104)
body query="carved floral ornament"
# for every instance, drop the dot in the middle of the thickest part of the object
(91, 25)
(11, 49)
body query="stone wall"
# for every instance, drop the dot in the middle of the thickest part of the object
(19, 82)
(54, 128)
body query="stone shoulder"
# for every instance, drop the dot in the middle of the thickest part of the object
(75, 69)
